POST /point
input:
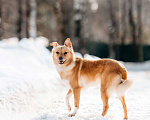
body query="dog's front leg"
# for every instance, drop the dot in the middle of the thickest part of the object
(76, 92)
(69, 94)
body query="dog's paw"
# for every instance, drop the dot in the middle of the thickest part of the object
(125, 118)
(71, 115)
(74, 112)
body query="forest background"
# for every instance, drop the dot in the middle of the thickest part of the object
(118, 29)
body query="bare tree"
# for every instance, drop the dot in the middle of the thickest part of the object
(63, 10)
(139, 23)
(112, 29)
(124, 22)
(33, 29)
(59, 16)
(27, 18)
(81, 11)
(133, 30)
(22, 23)
(67, 10)
(117, 28)
(1, 28)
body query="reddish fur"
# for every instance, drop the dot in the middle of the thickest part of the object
(105, 69)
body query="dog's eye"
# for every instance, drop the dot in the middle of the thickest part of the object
(57, 52)
(65, 53)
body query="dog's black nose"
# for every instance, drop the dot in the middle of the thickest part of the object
(60, 58)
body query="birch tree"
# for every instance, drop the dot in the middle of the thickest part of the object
(32, 23)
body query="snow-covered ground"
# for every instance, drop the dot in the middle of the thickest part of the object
(31, 89)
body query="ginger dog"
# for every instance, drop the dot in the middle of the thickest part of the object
(111, 75)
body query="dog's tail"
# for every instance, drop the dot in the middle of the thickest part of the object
(123, 87)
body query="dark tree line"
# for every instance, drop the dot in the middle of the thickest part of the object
(129, 26)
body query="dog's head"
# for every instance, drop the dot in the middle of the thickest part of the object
(62, 54)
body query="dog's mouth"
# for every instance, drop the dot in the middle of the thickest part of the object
(62, 62)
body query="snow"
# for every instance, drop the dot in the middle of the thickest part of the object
(31, 89)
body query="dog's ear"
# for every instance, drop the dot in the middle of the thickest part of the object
(54, 44)
(68, 43)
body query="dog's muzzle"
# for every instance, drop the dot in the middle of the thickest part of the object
(61, 62)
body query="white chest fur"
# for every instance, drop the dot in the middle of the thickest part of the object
(61, 68)
(65, 73)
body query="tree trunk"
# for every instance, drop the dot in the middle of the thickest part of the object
(123, 28)
(33, 29)
(64, 16)
(124, 22)
(22, 28)
(133, 30)
(117, 27)
(27, 18)
(1, 28)
(79, 22)
(139, 35)
(112, 29)
(67, 10)
(59, 21)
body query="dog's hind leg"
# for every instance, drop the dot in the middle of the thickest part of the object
(121, 90)
(108, 83)
(122, 99)
(69, 94)
(105, 98)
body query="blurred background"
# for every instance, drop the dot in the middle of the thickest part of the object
(118, 29)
